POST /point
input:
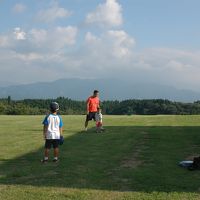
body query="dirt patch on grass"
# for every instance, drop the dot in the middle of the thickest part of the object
(131, 163)
(134, 160)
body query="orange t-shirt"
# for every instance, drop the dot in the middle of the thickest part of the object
(93, 104)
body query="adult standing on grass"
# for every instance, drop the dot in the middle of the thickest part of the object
(93, 103)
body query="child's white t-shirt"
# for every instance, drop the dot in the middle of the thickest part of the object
(54, 123)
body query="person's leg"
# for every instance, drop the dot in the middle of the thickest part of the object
(55, 150)
(88, 116)
(101, 127)
(86, 124)
(98, 127)
(56, 153)
(46, 151)
(46, 155)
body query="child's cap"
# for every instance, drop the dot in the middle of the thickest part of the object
(54, 106)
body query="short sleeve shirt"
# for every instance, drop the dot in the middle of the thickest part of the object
(54, 123)
(93, 103)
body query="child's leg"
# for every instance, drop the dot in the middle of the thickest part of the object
(97, 127)
(46, 153)
(56, 152)
(46, 150)
(101, 127)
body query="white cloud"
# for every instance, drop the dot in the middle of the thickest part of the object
(4, 41)
(161, 58)
(174, 65)
(122, 43)
(67, 33)
(108, 14)
(38, 36)
(39, 40)
(19, 34)
(29, 57)
(110, 53)
(19, 8)
(116, 44)
(39, 45)
(90, 38)
(53, 39)
(179, 68)
(53, 13)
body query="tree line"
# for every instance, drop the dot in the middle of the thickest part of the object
(72, 107)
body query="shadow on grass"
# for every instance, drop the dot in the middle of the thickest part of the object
(123, 158)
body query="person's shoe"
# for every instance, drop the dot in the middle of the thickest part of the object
(102, 129)
(44, 160)
(55, 160)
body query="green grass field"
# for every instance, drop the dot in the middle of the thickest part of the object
(136, 158)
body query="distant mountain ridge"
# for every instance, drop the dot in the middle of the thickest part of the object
(111, 89)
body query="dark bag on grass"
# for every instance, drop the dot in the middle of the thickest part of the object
(196, 164)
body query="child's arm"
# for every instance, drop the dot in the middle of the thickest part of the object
(45, 128)
(61, 126)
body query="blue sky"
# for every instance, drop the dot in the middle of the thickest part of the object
(170, 23)
(140, 40)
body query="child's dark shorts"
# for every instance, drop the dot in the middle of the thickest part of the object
(90, 116)
(49, 143)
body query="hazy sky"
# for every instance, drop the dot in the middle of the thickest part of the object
(140, 40)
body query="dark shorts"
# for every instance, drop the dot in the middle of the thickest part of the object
(50, 143)
(90, 116)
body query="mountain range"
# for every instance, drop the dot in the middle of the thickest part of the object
(110, 89)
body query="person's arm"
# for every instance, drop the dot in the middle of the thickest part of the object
(87, 106)
(61, 126)
(99, 104)
(45, 128)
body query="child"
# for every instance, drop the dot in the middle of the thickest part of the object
(99, 119)
(52, 131)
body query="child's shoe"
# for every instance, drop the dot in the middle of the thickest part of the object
(44, 160)
(102, 129)
(55, 160)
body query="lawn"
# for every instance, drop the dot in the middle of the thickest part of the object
(136, 158)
